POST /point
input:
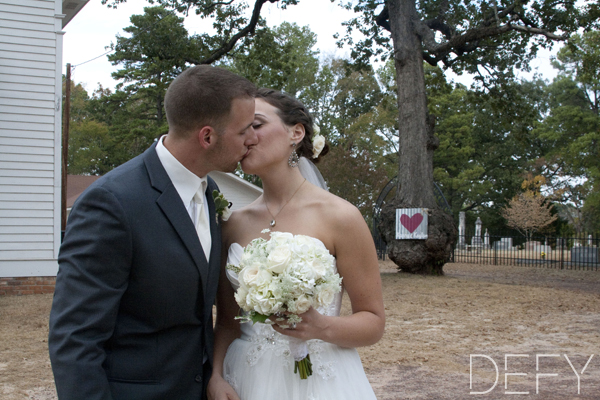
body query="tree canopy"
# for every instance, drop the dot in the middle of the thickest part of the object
(378, 119)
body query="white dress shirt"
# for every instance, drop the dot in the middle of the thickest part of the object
(185, 181)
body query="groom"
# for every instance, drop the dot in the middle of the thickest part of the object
(139, 264)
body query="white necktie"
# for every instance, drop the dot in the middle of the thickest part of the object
(202, 224)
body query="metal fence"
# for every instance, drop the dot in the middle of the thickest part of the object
(541, 252)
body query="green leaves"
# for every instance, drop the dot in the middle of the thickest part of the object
(221, 203)
(280, 58)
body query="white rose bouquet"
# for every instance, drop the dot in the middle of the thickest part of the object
(286, 273)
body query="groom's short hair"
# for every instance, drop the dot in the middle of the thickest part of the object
(201, 96)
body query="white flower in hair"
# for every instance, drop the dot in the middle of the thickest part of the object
(318, 141)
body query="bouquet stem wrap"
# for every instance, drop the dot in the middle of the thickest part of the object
(302, 363)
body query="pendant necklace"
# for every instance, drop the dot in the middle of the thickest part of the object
(272, 223)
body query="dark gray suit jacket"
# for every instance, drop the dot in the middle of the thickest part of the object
(132, 311)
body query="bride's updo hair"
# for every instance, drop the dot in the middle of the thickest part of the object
(292, 112)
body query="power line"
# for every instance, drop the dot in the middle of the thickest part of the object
(110, 51)
(147, 29)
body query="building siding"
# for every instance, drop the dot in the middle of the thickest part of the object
(237, 191)
(30, 94)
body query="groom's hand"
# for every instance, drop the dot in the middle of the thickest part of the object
(219, 389)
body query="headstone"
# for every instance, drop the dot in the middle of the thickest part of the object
(532, 245)
(486, 240)
(560, 243)
(590, 241)
(584, 255)
(543, 249)
(461, 231)
(476, 240)
(504, 244)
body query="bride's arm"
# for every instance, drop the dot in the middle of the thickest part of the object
(357, 263)
(227, 329)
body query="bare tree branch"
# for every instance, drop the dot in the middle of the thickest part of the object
(229, 45)
(538, 31)
(469, 40)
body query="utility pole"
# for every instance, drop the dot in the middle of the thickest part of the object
(65, 148)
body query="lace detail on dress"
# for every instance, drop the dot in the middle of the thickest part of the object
(232, 380)
(266, 339)
(324, 370)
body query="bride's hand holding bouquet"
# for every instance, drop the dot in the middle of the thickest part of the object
(282, 278)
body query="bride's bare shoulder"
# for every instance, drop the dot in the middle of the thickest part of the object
(239, 220)
(334, 208)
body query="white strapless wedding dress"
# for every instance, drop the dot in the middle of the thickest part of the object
(259, 365)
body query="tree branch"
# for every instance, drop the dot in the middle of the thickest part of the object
(469, 40)
(538, 31)
(438, 25)
(229, 45)
(383, 19)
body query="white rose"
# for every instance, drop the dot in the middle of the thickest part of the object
(249, 274)
(281, 237)
(325, 296)
(318, 144)
(303, 304)
(241, 298)
(320, 267)
(278, 259)
(263, 278)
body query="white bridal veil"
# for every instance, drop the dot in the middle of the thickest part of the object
(311, 173)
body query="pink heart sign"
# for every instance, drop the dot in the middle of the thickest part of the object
(411, 223)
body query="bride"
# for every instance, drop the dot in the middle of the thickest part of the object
(252, 362)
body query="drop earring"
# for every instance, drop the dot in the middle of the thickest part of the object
(294, 159)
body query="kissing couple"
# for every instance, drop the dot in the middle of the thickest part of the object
(146, 249)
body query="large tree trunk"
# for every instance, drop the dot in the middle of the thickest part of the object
(417, 143)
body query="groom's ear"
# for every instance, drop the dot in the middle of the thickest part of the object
(206, 136)
(298, 133)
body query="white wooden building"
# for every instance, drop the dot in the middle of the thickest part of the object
(238, 191)
(31, 42)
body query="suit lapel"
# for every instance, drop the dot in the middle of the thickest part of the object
(172, 206)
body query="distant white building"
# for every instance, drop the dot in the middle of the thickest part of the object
(31, 44)
(238, 191)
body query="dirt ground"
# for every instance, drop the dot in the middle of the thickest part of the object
(535, 326)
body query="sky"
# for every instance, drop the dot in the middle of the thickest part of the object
(96, 26)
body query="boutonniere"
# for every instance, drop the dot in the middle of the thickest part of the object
(222, 206)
